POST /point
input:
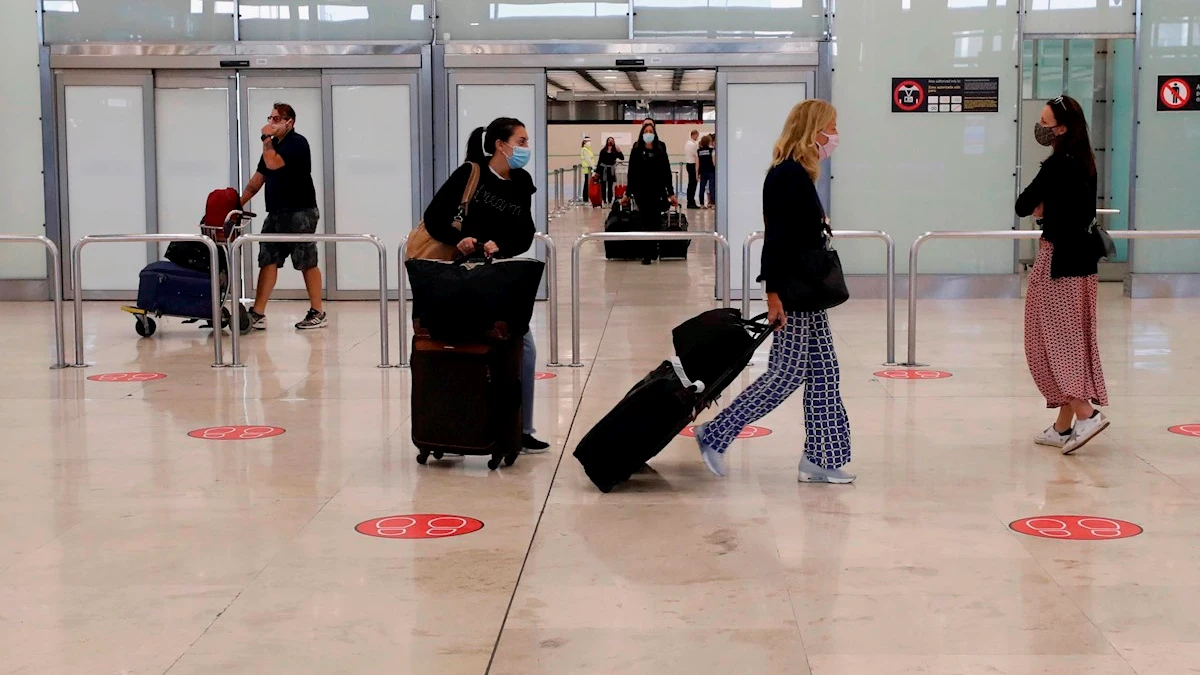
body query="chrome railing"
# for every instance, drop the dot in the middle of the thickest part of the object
(56, 287)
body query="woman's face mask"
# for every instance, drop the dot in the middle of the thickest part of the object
(648, 137)
(519, 157)
(825, 150)
(1043, 134)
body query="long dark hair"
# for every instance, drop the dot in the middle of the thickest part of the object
(1076, 142)
(610, 143)
(482, 143)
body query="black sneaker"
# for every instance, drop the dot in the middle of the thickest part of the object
(314, 319)
(533, 446)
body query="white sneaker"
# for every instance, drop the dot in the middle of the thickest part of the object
(811, 473)
(1050, 437)
(1085, 431)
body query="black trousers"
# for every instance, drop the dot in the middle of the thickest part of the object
(691, 193)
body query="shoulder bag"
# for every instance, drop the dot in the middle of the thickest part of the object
(422, 246)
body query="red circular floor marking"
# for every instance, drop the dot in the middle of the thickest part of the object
(126, 377)
(419, 526)
(1078, 528)
(236, 433)
(748, 432)
(544, 376)
(1186, 430)
(913, 374)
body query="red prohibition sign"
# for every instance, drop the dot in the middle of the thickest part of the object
(913, 374)
(419, 526)
(126, 377)
(1077, 528)
(908, 84)
(544, 376)
(236, 433)
(748, 432)
(1192, 430)
(1175, 93)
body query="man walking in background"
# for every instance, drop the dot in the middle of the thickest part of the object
(691, 157)
(286, 169)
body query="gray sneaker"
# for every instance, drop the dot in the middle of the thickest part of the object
(313, 319)
(715, 461)
(811, 473)
(257, 321)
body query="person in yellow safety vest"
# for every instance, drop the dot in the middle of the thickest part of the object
(587, 160)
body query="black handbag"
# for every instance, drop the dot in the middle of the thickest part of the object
(1105, 242)
(817, 282)
(472, 300)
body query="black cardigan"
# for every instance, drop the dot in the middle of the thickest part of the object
(1067, 192)
(650, 181)
(500, 212)
(794, 220)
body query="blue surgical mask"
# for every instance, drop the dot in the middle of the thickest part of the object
(648, 137)
(519, 157)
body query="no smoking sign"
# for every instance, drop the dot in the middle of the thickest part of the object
(1178, 93)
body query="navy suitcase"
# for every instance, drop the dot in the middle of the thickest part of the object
(167, 288)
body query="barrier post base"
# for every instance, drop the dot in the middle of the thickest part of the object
(913, 365)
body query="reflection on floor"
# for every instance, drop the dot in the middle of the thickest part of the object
(128, 547)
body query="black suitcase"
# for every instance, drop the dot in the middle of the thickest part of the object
(622, 219)
(674, 221)
(466, 399)
(659, 407)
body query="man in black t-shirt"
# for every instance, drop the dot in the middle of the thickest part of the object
(286, 169)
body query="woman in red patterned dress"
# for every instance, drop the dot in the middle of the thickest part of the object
(1060, 307)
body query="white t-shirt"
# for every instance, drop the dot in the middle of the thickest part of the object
(690, 152)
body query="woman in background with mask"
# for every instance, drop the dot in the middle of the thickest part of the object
(651, 184)
(609, 157)
(802, 353)
(498, 221)
(1060, 307)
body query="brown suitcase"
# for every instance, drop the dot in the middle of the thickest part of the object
(466, 399)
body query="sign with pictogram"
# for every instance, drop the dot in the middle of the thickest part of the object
(419, 526)
(126, 377)
(236, 433)
(1178, 93)
(544, 376)
(945, 94)
(913, 374)
(747, 432)
(1192, 430)
(1078, 528)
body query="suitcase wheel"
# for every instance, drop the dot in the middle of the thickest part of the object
(145, 326)
(510, 460)
(437, 454)
(422, 458)
(494, 463)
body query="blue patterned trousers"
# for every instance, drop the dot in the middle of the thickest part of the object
(801, 355)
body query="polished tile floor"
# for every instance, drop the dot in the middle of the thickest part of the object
(127, 546)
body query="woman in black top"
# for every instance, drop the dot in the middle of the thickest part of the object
(498, 223)
(1060, 307)
(609, 157)
(708, 172)
(651, 184)
(802, 352)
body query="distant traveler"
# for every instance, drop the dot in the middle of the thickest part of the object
(1061, 345)
(691, 158)
(708, 173)
(651, 184)
(609, 157)
(587, 160)
(802, 353)
(286, 169)
(499, 222)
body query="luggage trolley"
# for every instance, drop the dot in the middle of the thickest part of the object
(167, 288)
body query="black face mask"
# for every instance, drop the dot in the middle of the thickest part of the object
(1044, 135)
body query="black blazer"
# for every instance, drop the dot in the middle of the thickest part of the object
(1067, 192)
(650, 178)
(794, 221)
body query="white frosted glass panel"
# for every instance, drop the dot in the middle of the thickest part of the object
(1168, 142)
(335, 20)
(911, 173)
(106, 180)
(192, 153)
(479, 104)
(21, 159)
(367, 166)
(1050, 63)
(143, 21)
(1080, 16)
(533, 20)
(728, 19)
(307, 102)
(754, 120)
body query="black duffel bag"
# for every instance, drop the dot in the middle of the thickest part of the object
(465, 301)
(712, 344)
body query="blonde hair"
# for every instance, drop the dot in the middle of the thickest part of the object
(798, 140)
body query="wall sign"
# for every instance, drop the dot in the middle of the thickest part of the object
(1178, 93)
(945, 94)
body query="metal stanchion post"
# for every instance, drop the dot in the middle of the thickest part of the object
(56, 289)
(402, 296)
(235, 255)
(723, 275)
(213, 280)
(551, 294)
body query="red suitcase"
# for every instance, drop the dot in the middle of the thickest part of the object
(594, 192)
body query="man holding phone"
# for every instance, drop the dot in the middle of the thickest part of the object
(286, 170)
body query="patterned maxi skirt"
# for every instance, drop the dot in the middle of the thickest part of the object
(1060, 335)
